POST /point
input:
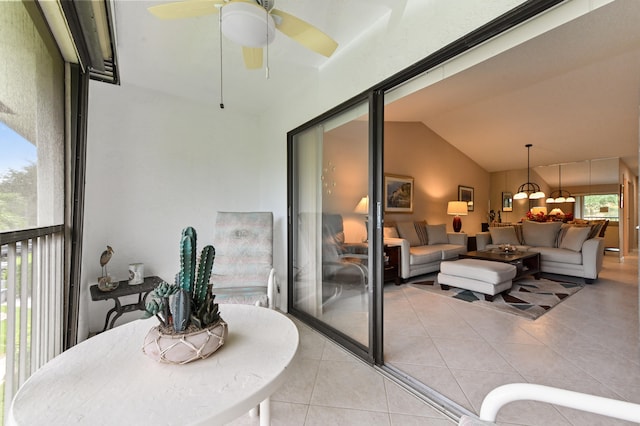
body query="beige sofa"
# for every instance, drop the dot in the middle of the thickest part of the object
(564, 249)
(423, 247)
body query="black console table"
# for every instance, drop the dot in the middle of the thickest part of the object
(124, 289)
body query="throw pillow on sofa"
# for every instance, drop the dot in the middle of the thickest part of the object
(574, 237)
(407, 230)
(437, 234)
(421, 229)
(504, 235)
(541, 234)
(390, 232)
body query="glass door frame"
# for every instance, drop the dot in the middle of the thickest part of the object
(375, 96)
(373, 351)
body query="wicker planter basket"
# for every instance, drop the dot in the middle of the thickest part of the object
(187, 347)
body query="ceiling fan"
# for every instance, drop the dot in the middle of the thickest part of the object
(251, 24)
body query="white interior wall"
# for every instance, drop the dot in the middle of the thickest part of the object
(156, 164)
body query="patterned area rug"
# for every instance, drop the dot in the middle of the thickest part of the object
(528, 297)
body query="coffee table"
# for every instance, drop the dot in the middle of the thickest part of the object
(526, 262)
(107, 380)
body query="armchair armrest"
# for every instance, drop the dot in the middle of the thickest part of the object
(458, 238)
(592, 257)
(272, 289)
(405, 255)
(482, 239)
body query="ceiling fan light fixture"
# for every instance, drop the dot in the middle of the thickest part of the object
(247, 24)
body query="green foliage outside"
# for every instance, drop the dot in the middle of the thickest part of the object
(3, 344)
(601, 206)
(3, 324)
(18, 198)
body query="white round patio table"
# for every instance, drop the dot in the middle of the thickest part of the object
(107, 379)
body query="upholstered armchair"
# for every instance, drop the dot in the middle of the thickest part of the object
(243, 268)
(340, 263)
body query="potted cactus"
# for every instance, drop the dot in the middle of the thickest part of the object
(190, 325)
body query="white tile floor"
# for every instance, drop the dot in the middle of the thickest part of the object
(588, 343)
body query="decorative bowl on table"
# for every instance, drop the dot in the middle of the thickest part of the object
(107, 283)
(181, 348)
(507, 248)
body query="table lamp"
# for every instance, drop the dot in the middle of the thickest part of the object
(457, 209)
(363, 208)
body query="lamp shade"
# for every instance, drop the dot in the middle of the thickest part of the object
(556, 212)
(363, 206)
(457, 208)
(539, 209)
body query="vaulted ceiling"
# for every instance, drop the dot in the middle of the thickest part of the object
(574, 92)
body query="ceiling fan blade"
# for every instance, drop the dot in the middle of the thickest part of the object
(305, 33)
(252, 57)
(186, 9)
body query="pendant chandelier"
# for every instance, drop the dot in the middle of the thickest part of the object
(530, 190)
(560, 196)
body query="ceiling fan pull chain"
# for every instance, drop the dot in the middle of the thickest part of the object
(220, 34)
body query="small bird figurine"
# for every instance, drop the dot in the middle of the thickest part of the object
(105, 257)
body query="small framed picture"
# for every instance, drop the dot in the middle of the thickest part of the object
(398, 194)
(465, 193)
(507, 202)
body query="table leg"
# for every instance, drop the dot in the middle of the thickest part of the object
(118, 310)
(115, 309)
(265, 412)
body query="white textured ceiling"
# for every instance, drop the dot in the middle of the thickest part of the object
(573, 92)
(182, 57)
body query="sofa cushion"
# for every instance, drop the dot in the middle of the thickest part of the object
(437, 234)
(554, 254)
(541, 234)
(407, 230)
(596, 227)
(504, 235)
(421, 229)
(451, 251)
(424, 254)
(574, 237)
(390, 232)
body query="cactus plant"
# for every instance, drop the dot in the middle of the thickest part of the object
(192, 301)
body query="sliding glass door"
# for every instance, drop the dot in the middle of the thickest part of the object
(330, 227)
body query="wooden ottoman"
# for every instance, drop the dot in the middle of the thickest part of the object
(483, 276)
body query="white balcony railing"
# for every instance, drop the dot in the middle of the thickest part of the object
(31, 304)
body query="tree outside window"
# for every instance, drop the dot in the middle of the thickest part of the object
(600, 206)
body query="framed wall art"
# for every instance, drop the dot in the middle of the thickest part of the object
(465, 193)
(398, 194)
(507, 202)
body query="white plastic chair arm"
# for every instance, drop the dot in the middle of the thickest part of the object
(272, 287)
(505, 394)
